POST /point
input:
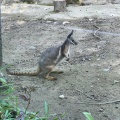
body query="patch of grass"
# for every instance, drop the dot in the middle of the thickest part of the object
(47, 4)
(9, 109)
(28, 1)
(88, 116)
(9, 105)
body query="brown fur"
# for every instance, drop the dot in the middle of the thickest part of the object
(24, 73)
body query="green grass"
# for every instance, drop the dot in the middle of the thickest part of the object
(28, 1)
(88, 116)
(9, 105)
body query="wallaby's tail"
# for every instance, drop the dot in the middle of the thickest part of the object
(35, 73)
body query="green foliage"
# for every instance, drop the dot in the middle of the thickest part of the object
(28, 1)
(3, 68)
(5, 88)
(72, 1)
(88, 116)
(9, 109)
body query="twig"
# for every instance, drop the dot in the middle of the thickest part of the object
(29, 99)
(96, 32)
(101, 103)
(28, 103)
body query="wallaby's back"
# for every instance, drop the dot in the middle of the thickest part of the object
(50, 56)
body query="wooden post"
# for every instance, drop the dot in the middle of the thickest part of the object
(59, 5)
(0, 38)
(80, 2)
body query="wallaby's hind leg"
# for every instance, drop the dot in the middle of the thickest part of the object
(50, 77)
(48, 71)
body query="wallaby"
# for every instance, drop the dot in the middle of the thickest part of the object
(50, 58)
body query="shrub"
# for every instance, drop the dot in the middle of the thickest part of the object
(28, 1)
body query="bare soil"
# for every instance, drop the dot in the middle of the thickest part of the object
(90, 83)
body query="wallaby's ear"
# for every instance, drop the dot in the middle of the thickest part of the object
(70, 34)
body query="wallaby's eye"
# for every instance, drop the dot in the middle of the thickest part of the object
(72, 40)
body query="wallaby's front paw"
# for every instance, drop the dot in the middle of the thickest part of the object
(68, 59)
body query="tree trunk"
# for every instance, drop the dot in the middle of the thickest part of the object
(59, 5)
(0, 39)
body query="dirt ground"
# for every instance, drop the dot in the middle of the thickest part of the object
(90, 83)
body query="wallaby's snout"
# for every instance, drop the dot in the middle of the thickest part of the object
(72, 41)
(76, 43)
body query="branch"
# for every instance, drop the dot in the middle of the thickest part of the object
(101, 103)
(96, 32)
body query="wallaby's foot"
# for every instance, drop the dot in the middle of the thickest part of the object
(57, 71)
(50, 78)
(68, 59)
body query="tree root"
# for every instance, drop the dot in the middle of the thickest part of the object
(100, 103)
(96, 32)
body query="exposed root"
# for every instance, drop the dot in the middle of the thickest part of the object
(96, 32)
(100, 103)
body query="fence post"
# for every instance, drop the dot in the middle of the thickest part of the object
(0, 37)
(59, 5)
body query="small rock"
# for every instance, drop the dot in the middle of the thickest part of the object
(106, 69)
(101, 110)
(62, 96)
(91, 86)
(98, 59)
(83, 59)
(56, 23)
(32, 47)
(65, 22)
(116, 81)
(49, 21)
(86, 59)
(98, 47)
(20, 22)
(90, 19)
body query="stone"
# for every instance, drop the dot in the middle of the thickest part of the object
(62, 96)
(59, 5)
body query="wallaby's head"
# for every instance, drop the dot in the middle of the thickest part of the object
(70, 39)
